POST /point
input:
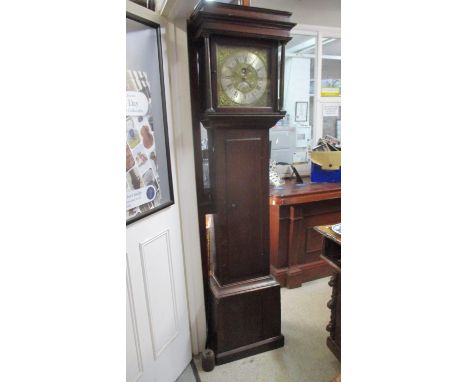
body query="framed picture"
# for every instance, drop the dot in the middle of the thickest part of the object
(148, 167)
(301, 111)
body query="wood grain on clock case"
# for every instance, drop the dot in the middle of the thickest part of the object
(242, 298)
(241, 226)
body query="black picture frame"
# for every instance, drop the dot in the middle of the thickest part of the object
(298, 117)
(165, 139)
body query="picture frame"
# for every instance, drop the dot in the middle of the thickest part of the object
(301, 111)
(148, 165)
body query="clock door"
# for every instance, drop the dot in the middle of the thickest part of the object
(244, 75)
(241, 204)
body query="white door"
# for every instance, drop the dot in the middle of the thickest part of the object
(158, 338)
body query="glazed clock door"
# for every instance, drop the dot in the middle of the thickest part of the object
(243, 74)
(243, 77)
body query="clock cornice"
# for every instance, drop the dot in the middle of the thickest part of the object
(236, 20)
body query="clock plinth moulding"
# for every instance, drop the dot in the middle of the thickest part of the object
(236, 79)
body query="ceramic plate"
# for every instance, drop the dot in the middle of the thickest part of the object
(336, 228)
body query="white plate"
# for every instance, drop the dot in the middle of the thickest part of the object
(336, 228)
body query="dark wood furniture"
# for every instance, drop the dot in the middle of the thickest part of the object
(295, 247)
(242, 298)
(332, 255)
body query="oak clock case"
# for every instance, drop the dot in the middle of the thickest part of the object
(234, 76)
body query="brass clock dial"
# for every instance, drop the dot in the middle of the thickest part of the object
(242, 77)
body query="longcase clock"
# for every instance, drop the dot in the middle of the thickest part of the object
(236, 58)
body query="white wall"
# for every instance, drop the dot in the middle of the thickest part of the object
(297, 85)
(312, 12)
(185, 162)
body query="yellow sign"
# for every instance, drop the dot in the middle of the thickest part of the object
(331, 88)
(330, 92)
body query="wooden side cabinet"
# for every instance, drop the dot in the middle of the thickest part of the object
(331, 253)
(295, 247)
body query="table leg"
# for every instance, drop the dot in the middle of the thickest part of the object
(294, 275)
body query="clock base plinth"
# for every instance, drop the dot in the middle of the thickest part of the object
(249, 350)
(245, 318)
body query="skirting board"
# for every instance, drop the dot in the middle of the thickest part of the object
(308, 272)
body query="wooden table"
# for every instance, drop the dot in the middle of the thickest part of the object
(295, 246)
(332, 255)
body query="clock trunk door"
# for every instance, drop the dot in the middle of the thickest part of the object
(241, 203)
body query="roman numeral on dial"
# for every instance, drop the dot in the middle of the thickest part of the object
(243, 78)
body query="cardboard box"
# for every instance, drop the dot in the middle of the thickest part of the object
(325, 166)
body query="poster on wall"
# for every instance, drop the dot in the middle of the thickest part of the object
(148, 172)
(331, 109)
(301, 111)
(331, 88)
